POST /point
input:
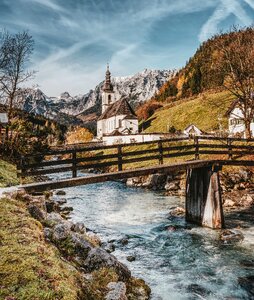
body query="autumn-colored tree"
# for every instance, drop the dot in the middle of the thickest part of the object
(235, 60)
(79, 135)
(146, 110)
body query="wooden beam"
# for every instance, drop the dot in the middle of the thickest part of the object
(49, 185)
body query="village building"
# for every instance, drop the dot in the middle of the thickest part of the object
(3, 118)
(118, 117)
(236, 125)
(192, 130)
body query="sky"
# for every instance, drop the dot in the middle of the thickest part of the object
(74, 39)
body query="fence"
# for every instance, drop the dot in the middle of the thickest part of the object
(158, 152)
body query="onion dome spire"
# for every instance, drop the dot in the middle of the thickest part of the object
(108, 87)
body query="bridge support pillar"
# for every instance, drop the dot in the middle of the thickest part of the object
(203, 198)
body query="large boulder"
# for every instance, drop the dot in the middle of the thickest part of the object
(80, 245)
(172, 186)
(117, 291)
(98, 258)
(231, 236)
(53, 219)
(36, 212)
(61, 231)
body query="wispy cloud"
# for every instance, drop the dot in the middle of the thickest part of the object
(221, 13)
(75, 38)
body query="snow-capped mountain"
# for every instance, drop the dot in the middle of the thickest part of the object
(138, 88)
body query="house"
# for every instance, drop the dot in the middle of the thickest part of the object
(192, 130)
(118, 117)
(3, 120)
(236, 125)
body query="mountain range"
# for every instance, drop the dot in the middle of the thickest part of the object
(138, 88)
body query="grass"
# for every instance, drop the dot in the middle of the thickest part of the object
(204, 111)
(29, 267)
(8, 174)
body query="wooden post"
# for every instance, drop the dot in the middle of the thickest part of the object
(196, 145)
(160, 148)
(20, 169)
(203, 198)
(120, 158)
(229, 143)
(74, 164)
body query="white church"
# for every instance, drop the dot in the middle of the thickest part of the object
(118, 123)
(118, 117)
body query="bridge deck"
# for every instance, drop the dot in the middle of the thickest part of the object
(70, 182)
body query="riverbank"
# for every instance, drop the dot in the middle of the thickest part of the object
(45, 255)
(237, 185)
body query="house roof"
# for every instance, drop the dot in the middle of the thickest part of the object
(120, 107)
(192, 126)
(232, 107)
(115, 133)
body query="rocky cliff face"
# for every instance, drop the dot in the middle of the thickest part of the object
(138, 88)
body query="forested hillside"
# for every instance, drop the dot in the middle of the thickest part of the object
(202, 72)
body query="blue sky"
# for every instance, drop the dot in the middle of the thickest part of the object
(74, 39)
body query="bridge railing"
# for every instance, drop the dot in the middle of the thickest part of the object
(100, 157)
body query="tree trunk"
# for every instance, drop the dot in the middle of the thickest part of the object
(247, 129)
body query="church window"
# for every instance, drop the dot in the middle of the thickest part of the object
(109, 99)
(119, 123)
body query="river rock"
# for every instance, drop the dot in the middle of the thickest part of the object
(61, 231)
(61, 201)
(247, 264)
(157, 181)
(172, 186)
(98, 258)
(48, 233)
(66, 209)
(177, 212)
(52, 206)
(138, 289)
(131, 258)
(124, 241)
(93, 238)
(53, 219)
(60, 193)
(231, 235)
(229, 203)
(80, 245)
(36, 212)
(79, 227)
(171, 228)
(109, 247)
(247, 200)
(247, 283)
(117, 291)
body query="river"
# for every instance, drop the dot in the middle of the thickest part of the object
(188, 263)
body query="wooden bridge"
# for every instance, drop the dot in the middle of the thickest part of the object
(202, 157)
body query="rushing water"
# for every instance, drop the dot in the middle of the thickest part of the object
(188, 263)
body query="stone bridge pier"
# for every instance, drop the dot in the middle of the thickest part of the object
(203, 197)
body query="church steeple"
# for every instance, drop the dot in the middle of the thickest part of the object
(108, 87)
(107, 91)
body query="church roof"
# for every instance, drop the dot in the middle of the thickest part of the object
(120, 107)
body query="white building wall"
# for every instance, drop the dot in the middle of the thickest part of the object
(131, 123)
(107, 126)
(100, 128)
(236, 123)
(131, 138)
